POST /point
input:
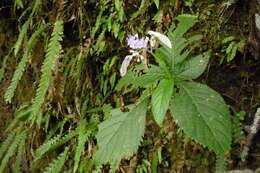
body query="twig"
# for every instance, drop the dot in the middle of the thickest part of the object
(253, 130)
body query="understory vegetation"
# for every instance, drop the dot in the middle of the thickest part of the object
(78, 96)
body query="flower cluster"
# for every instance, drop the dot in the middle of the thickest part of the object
(136, 44)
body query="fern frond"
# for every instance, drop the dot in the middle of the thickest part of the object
(18, 160)
(83, 137)
(220, 163)
(21, 36)
(18, 3)
(21, 115)
(11, 150)
(2, 69)
(8, 140)
(21, 67)
(52, 144)
(86, 165)
(80, 61)
(36, 7)
(53, 53)
(7, 143)
(56, 165)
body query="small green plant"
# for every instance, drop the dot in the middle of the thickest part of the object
(198, 110)
(231, 46)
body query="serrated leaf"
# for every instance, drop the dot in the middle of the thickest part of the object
(203, 115)
(82, 139)
(120, 136)
(21, 36)
(186, 21)
(161, 99)
(152, 75)
(194, 67)
(56, 165)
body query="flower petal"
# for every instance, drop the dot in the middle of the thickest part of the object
(257, 20)
(163, 38)
(125, 64)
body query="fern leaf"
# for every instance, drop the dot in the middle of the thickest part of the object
(21, 67)
(119, 136)
(8, 141)
(18, 3)
(18, 160)
(2, 69)
(52, 144)
(36, 7)
(53, 53)
(56, 165)
(11, 150)
(21, 36)
(220, 163)
(83, 137)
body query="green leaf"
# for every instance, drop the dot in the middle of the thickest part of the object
(49, 64)
(7, 142)
(157, 3)
(82, 139)
(19, 3)
(57, 165)
(194, 67)
(186, 21)
(22, 64)
(161, 99)
(21, 36)
(21, 149)
(203, 115)
(151, 75)
(52, 144)
(119, 136)
(12, 149)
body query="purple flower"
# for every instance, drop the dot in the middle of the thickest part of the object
(135, 43)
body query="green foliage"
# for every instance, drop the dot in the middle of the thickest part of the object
(237, 129)
(53, 53)
(231, 47)
(21, 67)
(57, 165)
(18, 3)
(199, 111)
(161, 99)
(220, 163)
(157, 3)
(203, 115)
(193, 67)
(82, 139)
(21, 148)
(3, 67)
(133, 77)
(19, 139)
(52, 144)
(86, 75)
(21, 36)
(7, 143)
(119, 136)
